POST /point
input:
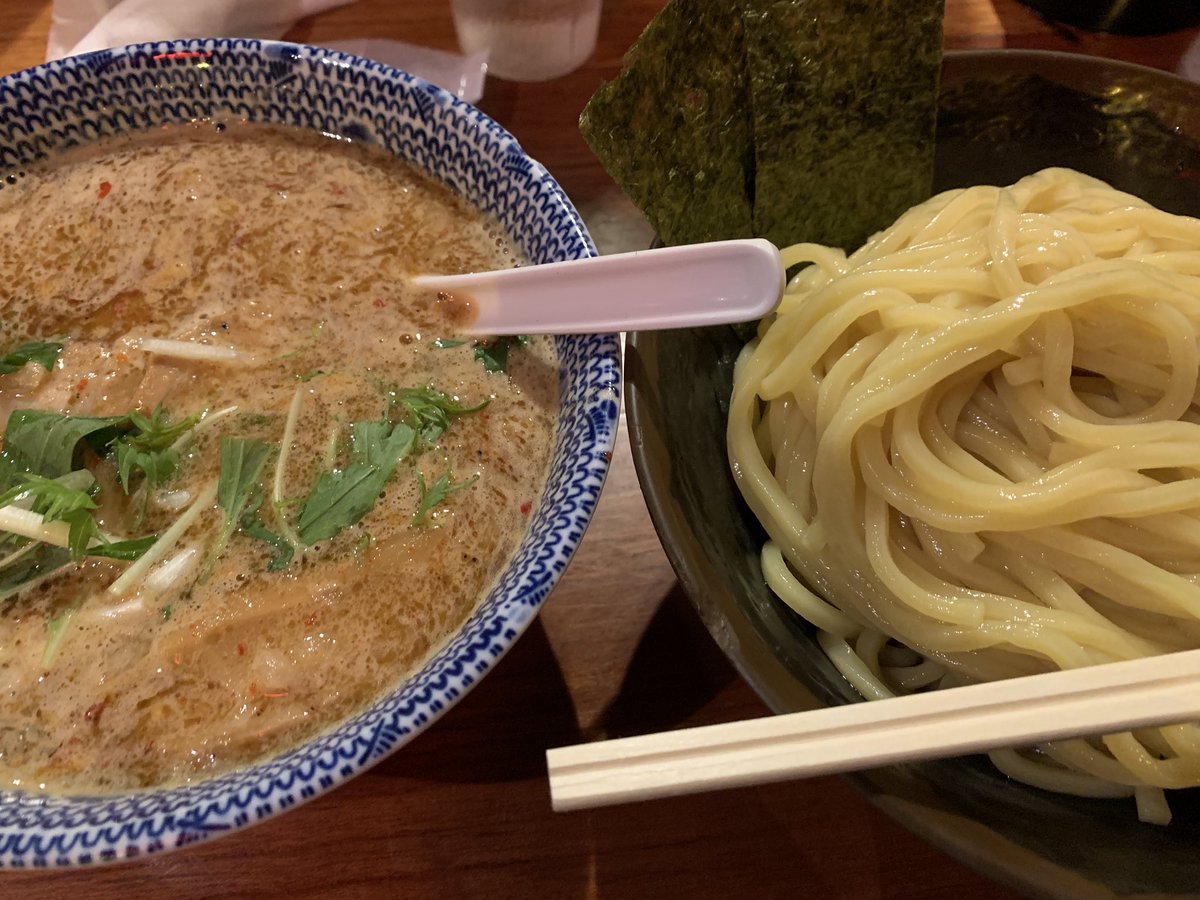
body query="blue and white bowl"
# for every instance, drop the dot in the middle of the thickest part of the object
(63, 104)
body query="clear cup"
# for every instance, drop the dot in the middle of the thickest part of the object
(528, 40)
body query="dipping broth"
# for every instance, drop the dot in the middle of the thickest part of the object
(348, 477)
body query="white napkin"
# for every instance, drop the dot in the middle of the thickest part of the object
(81, 26)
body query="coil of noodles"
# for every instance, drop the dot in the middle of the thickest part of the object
(974, 445)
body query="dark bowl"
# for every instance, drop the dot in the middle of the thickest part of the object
(1003, 114)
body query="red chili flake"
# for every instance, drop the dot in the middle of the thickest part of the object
(178, 659)
(607, 456)
(379, 303)
(274, 695)
(80, 385)
(241, 649)
(526, 507)
(93, 712)
(149, 747)
(105, 189)
(254, 687)
(311, 620)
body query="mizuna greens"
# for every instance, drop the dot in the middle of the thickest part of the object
(43, 460)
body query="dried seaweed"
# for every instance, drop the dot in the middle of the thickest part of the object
(673, 129)
(787, 119)
(844, 99)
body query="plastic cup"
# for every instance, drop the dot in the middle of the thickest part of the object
(528, 40)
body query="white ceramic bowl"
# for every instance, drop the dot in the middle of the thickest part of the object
(77, 100)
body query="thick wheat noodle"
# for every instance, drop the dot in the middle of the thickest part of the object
(977, 436)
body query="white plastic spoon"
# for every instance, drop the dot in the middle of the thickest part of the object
(667, 287)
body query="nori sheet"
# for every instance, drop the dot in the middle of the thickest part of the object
(844, 98)
(793, 120)
(673, 129)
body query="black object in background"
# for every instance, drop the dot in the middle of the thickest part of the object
(1121, 16)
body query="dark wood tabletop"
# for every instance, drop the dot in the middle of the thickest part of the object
(464, 811)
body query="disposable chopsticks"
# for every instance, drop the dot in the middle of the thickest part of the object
(1017, 712)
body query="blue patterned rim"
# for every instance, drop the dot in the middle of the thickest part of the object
(74, 101)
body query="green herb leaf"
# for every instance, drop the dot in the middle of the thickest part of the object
(432, 496)
(46, 443)
(56, 501)
(56, 631)
(494, 354)
(430, 411)
(378, 444)
(83, 530)
(342, 497)
(39, 562)
(127, 551)
(51, 498)
(85, 540)
(66, 499)
(252, 526)
(242, 460)
(44, 353)
(447, 343)
(149, 447)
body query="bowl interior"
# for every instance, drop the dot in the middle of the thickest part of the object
(1002, 115)
(78, 100)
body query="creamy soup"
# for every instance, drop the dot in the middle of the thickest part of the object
(284, 478)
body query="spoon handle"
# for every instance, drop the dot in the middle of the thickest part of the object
(668, 287)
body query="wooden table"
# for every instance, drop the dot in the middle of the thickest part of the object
(463, 811)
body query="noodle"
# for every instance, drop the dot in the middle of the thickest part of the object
(978, 437)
